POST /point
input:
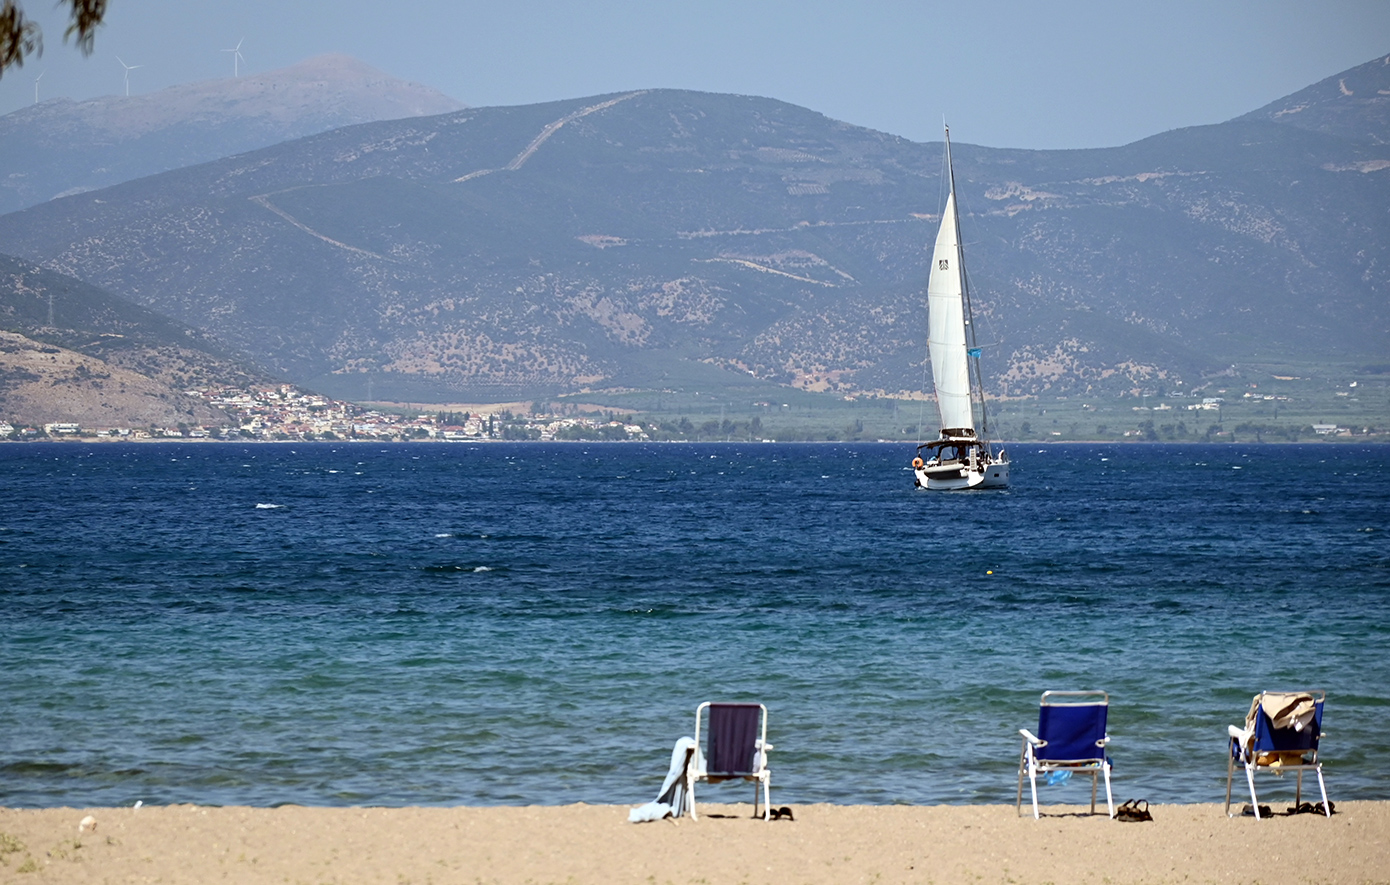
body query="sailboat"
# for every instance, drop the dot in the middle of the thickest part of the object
(961, 457)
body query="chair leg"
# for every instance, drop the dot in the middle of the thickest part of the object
(1298, 789)
(1093, 792)
(1326, 806)
(1230, 775)
(690, 791)
(1033, 780)
(1254, 800)
(1018, 800)
(760, 791)
(1109, 797)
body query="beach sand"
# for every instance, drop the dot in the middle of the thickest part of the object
(596, 844)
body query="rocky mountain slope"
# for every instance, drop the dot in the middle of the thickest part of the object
(666, 238)
(70, 352)
(60, 147)
(1354, 104)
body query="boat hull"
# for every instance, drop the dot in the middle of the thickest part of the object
(990, 475)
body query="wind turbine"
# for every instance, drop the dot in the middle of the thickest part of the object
(36, 86)
(236, 57)
(128, 69)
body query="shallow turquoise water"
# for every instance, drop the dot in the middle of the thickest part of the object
(532, 623)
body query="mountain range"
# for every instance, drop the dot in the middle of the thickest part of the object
(665, 238)
(60, 147)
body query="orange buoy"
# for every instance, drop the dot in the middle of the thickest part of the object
(917, 463)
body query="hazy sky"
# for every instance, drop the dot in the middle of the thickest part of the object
(1011, 73)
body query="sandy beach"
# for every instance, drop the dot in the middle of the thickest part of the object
(596, 844)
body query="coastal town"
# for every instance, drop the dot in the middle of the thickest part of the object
(284, 413)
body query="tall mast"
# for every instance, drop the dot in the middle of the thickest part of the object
(972, 348)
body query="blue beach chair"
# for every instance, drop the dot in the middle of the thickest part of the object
(1071, 738)
(1281, 733)
(736, 748)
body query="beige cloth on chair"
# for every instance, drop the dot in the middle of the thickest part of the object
(1285, 709)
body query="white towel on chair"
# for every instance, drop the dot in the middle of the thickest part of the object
(674, 799)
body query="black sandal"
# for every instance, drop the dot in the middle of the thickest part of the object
(1132, 812)
(780, 813)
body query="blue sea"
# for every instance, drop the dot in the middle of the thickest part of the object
(531, 623)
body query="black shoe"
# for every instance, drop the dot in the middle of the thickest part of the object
(1134, 810)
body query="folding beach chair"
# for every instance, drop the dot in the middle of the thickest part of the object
(1281, 734)
(735, 747)
(1071, 738)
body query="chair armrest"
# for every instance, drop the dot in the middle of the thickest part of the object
(1235, 732)
(1031, 738)
(760, 748)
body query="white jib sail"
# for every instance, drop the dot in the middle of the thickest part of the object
(946, 326)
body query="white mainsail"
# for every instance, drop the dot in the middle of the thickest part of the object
(946, 326)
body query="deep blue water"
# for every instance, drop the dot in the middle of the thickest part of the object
(536, 623)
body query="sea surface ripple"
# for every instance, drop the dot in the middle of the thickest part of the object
(514, 623)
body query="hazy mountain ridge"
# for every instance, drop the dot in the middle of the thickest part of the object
(1354, 104)
(60, 146)
(644, 238)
